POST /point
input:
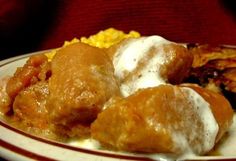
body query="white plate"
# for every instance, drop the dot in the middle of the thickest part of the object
(18, 145)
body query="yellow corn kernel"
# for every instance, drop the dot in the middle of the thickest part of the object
(103, 39)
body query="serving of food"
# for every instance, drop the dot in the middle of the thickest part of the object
(124, 96)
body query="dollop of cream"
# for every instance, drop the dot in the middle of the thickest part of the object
(135, 68)
(210, 126)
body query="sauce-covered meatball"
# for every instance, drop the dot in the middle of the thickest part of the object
(164, 119)
(82, 81)
(149, 61)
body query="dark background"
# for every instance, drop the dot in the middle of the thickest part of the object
(31, 25)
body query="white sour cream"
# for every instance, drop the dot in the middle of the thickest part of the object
(210, 125)
(128, 57)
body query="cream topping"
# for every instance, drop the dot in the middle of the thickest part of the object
(127, 58)
(210, 126)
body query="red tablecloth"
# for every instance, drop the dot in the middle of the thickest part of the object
(50, 23)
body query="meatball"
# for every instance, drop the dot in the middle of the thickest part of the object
(82, 81)
(29, 74)
(148, 62)
(164, 119)
(30, 105)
